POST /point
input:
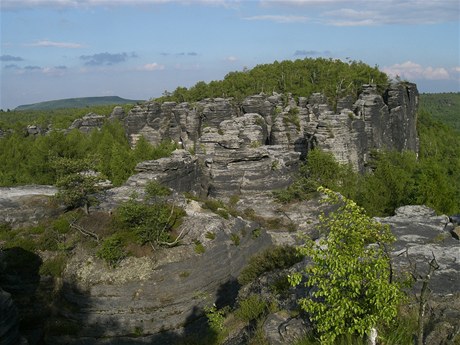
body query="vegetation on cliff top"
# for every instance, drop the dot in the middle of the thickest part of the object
(334, 78)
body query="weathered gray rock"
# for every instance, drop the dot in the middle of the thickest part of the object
(160, 293)
(179, 171)
(280, 329)
(423, 234)
(118, 113)
(34, 130)
(27, 205)
(88, 122)
(372, 122)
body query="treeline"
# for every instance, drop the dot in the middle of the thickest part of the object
(334, 78)
(55, 118)
(29, 159)
(394, 178)
(444, 107)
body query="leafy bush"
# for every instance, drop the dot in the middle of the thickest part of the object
(277, 257)
(251, 308)
(151, 223)
(61, 225)
(353, 288)
(154, 189)
(112, 250)
(54, 267)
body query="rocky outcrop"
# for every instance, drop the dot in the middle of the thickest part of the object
(27, 205)
(162, 293)
(266, 130)
(88, 122)
(421, 236)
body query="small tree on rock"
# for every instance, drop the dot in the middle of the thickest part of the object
(77, 181)
(350, 273)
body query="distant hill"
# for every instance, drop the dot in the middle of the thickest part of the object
(83, 102)
(444, 107)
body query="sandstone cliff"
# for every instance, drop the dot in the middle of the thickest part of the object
(238, 148)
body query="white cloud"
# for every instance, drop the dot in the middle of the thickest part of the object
(47, 43)
(231, 58)
(375, 12)
(280, 18)
(413, 71)
(152, 67)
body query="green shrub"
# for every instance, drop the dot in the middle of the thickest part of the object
(154, 189)
(25, 243)
(49, 240)
(112, 250)
(277, 257)
(54, 267)
(61, 225)
(251, 308)
(256, 233)
(199, 248)
(235, 239)
(151, 223)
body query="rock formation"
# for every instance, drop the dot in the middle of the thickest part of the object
(241, 148)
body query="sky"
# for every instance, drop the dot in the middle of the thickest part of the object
(138, 49)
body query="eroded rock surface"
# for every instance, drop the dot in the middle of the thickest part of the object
(27, 205)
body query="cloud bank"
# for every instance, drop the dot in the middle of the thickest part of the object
(414, 71)
(47, 43)
(106, 59)
(8, 58)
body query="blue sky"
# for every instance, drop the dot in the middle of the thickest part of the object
(52, 49)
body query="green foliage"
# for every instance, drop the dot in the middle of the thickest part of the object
(334, 78)
(199, 248)
(350, 273)
(216, 318)
(320, 169)
(216, 206)
(251, 308)
(154, 189)
(112, 250)
(395, 178)
(444, 107)
(292, 117)
(54, 266)
(277, 257)
(235, 239)
(151, 223)
(77, 182)
(61, 225)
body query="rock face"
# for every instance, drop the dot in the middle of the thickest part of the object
(421, 237)
(268, 134)
(426, 236)
(88, 122)
(158, 295)
(26, 205)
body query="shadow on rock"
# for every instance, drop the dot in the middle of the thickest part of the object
(19, 277)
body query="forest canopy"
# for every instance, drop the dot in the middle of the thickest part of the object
(334, 78)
